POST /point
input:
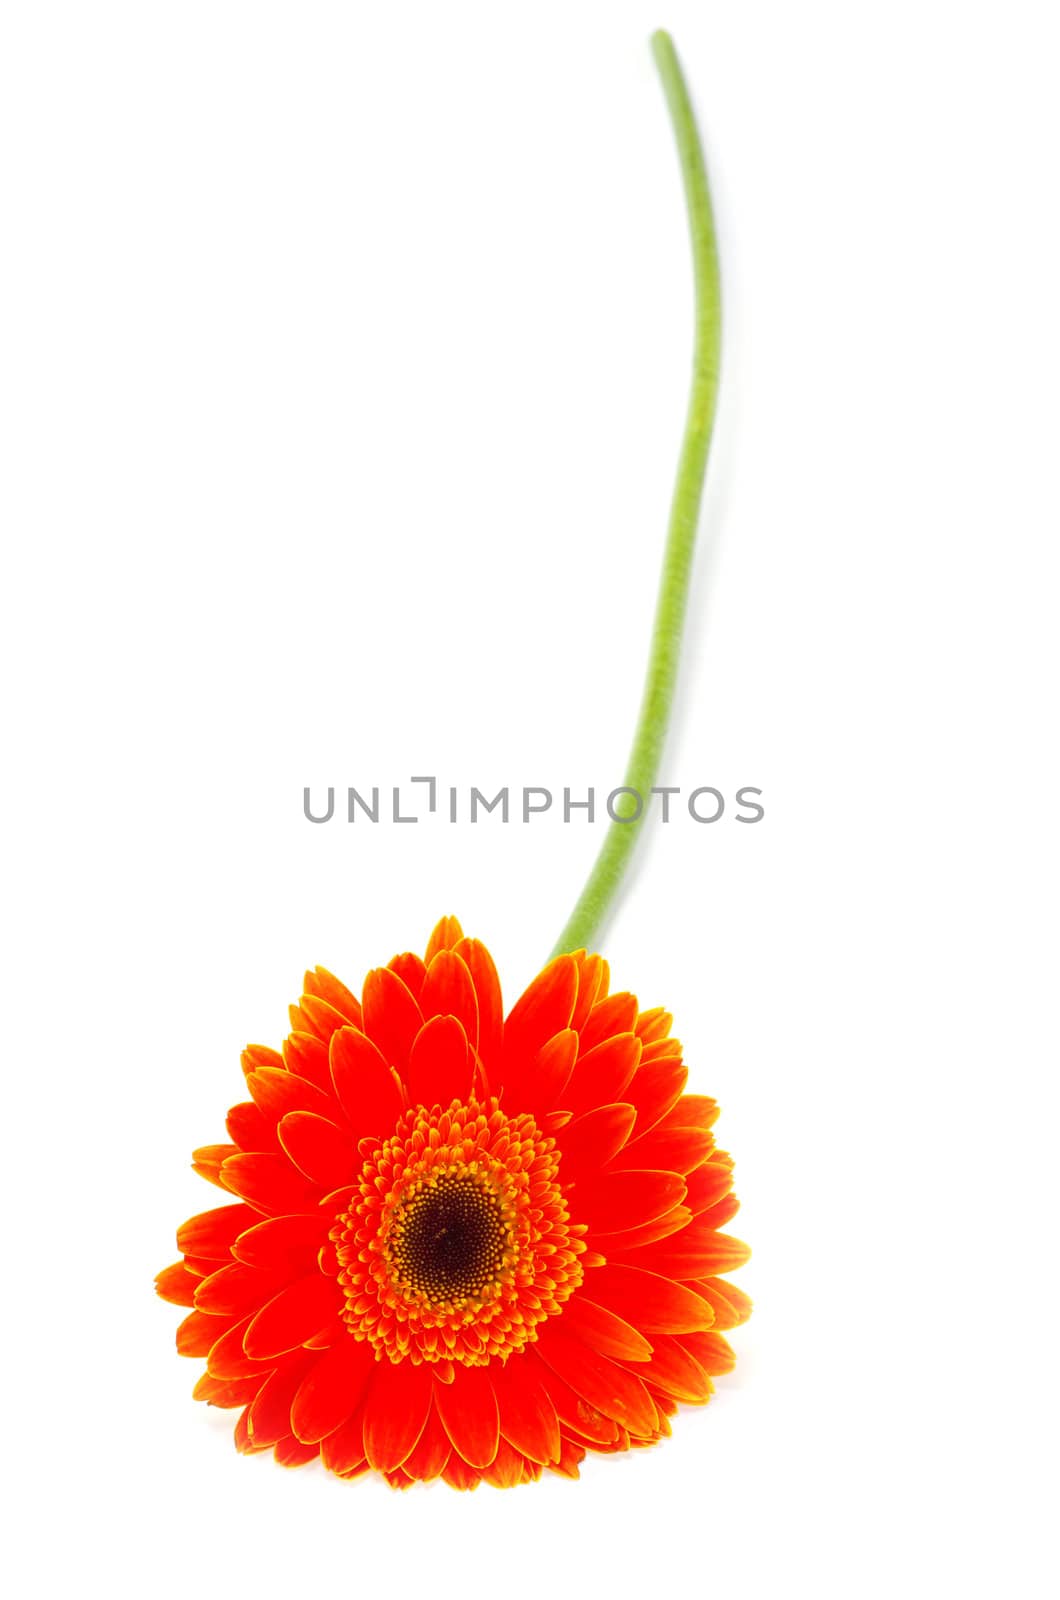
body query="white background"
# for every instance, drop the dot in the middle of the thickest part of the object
(344, 362)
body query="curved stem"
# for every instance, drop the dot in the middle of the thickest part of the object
(660, 680)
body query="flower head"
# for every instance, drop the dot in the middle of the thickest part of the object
(462, 1245)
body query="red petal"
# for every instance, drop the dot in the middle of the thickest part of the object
(707, 1185)
(661, 1228)
(656, 1087)
(449, 992)
(616, 1014)
(332, 1390)
(322, 1018)
(527, 1416)
(369, 1092)
(325, 986)
(212, 1233)
(307, 1057)
(446, 933)
(290, 1452)
(468, 1409)
(731, 1306)
(248, 1129)
(236, 1290)
(696, 1252)
(227, 1360)
(613, 1201)
(603, 1330)
(439, 1067)
(269, 1418)
(283, 1244)
(654, 1024)
(609, 1388)
(395, 1412)
(543, 1085)
(323, 1152)
(431, 1451)
(572, 1410)
(198, 1332)
(259, 1055)
(177, 1285)
(592, 986)
(545, 1009)
(208, 1159)
(291, 1317)
(411, 970)
(278, 1092)
(651, 1303)
(392, 1019)
(506, 1468)
(269, 1183)
(714, 1354)
(669, 1149)
(601, 1075)
(479, 963)
(673, 1369)
(218, 1392)
(343, 1450)
(592, 1140)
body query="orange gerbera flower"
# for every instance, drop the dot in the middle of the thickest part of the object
(462, 1246)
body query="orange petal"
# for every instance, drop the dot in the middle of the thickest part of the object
(292, 1316)
(731, 1306)
(269, 1418)
(277, 1091)
(177, 1285)
(307, 1057)
(592, 986)
(331, 1390)
(395, 1412)
(343, 1450)
(543, 1085)
(707, 1185)
(208, 1159)
(479, 963)
(198, 1332)
(226, 1359)
(545, 1009)
(269, 1183)
(247, 1128)
(593, 1139)
(612, 1201)
(468, 1409)
(633, 1238)
(573, 1411)
(236, 1290)
(283, 1244)
(392, 1019)
(527, 1415)
(411, 970)
(212, 1233)
(612, 1390)
(226, 1394)
(368, 1090)
(506, 1468)
(439, 1068)
(675, 1370)
(321, 1018)
(290, 1452)
(656, 1087)
(601, 1075)
(325, 986)
(714, 1354)
(448, 991)
(430, 1452)
(654, 1024)
(616, 1014)
(324, 1153)
(447, 933)
(651, 1303)
(604, 1330)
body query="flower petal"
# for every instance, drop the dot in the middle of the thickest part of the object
(307, 1057)
(439, 1068)
(392, 1019)
(325, 986)
(177, 1285)
(291, 1317)
(468, 1409)
(651, 1303)
(368, 1090)
(269, 1418)
(612, 1390)
(601, 1075)
(332, 1390)
(604, 1330)
(283, 1244)
(479, 963)
(236, 1290)
(527, 1415)
(612, 1201)
(269, 1183)
(318, 1148)
(616, 1014)
(395, 1412)
(430, 1452)
(595, 1138)
(448, 991)
(212, 1233)
(447, 932)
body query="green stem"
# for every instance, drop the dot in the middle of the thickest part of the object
(610, 865)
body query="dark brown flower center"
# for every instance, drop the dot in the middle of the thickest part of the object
(450, 1240)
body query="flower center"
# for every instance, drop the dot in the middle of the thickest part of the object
(450, 1240)
(456, 1241)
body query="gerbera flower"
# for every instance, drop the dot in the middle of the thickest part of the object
(459, 1244)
